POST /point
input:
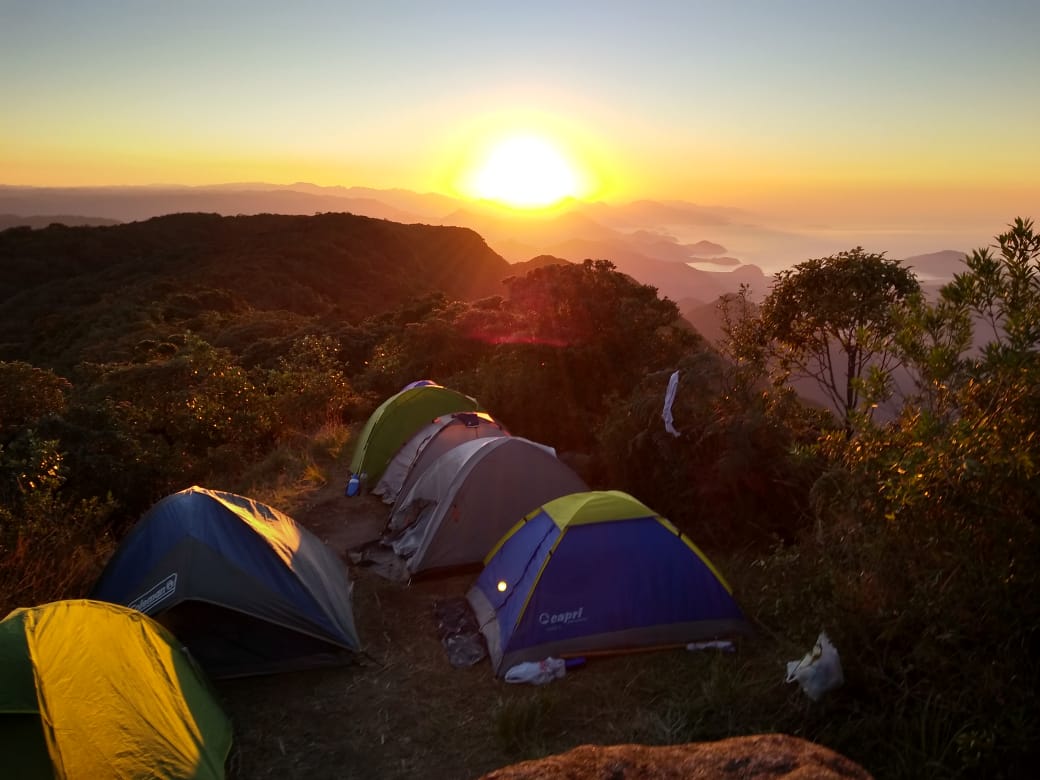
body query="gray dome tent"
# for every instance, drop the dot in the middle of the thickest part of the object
(432, 441)
(471, 496)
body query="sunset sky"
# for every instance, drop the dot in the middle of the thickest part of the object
(821, 108)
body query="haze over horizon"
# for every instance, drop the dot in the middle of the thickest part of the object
(835, 119)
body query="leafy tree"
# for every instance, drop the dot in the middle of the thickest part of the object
(443, 342)
(41, 523)
(929, 550)
(737, 474)
(178, 413)
(308, 387)
(1004, 290)
(592, 304)
(569, 340)
(969, 453)
(831, 320)
(27, 394)
(932, 339)
(546, 359)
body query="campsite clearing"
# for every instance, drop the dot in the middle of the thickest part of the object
(405, 712)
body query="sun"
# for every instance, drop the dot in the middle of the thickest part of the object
(525, 172)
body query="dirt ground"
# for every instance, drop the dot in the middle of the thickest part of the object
(404, 712)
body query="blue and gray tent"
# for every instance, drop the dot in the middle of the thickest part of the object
(242, 585)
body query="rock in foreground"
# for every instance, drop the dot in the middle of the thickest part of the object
(747, 758)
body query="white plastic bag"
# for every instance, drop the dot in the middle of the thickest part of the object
(819, 671)
(537, 672)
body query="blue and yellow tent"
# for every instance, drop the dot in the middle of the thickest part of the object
(597, 572)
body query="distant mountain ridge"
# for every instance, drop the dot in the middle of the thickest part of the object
(130, 204)
(642, 238)
(37, 221)
(937, 265)
(578, 232)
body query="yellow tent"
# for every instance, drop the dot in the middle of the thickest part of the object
(96, 690)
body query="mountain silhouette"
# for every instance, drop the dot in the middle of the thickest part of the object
(59, 284)
(937, 265)
(37, 221)
(629, 234)
(128, 204)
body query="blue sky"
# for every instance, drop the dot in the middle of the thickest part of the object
(811, 104)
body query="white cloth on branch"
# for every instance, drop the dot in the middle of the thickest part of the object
(669, 398)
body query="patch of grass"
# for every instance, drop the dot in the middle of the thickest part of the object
(935, 647)
(666, 724)
(523, 722)
(276, 474)
(296, 467)
(332, 442)
(49, 567)
(51, 548)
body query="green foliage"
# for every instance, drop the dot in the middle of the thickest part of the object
(590, 303)
(538, 390)
(438, 341)
(568, 341)
(925, 560)
(831, 320)
(69, 291)
(932, 340)
(258, 338)
(1005, 291)
(547, 360)
(28, 394)
(738, 472)
(180, 410)
(37, 515)
(914, 543)
(308, 389)
(924, 695)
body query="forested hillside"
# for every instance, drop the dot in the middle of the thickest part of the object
(139, 359)
(69, 293)
(238, 352)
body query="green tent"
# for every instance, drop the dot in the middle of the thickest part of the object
(89, 689)
(394, 422)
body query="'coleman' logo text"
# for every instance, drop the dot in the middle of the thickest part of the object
(148, 601)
